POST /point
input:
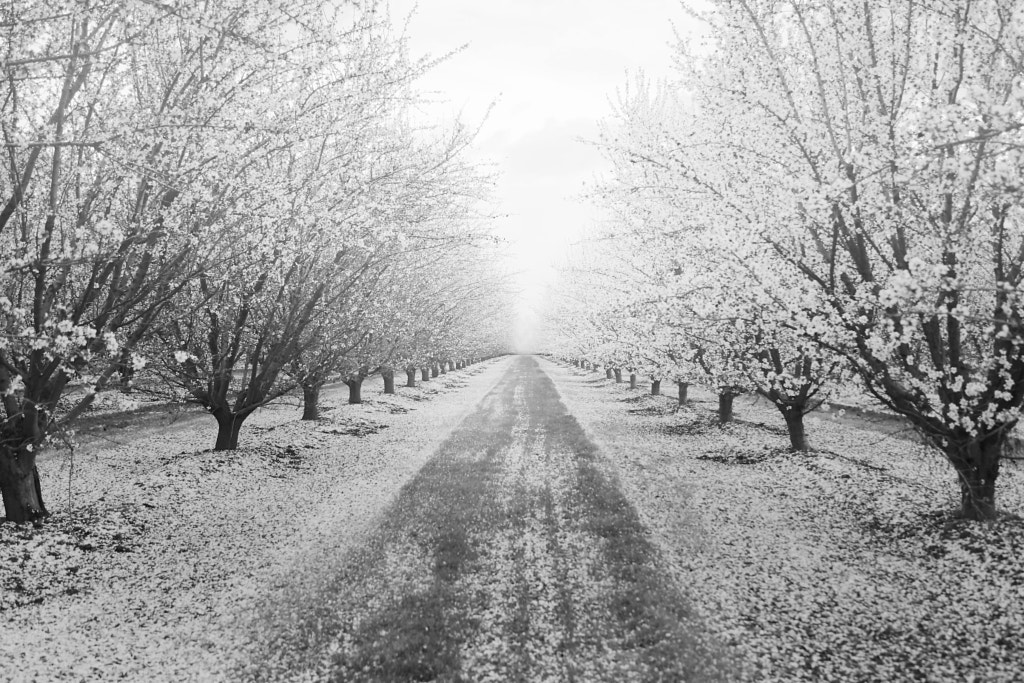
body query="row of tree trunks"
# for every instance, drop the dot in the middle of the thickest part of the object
(311, 393)
(793, 415)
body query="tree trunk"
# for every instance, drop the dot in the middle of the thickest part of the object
(389, 380)
(310, 402)
(355, 390)
(434, 371)
(725, 407)
(425, 374)
(794, 417)
(228, 426)
(683, 386)
(444, 368)
(632, 380)
(126, 370)
(410, 377)
(618, 375)
(655, 387)
(19, 485)
(608, 373)
(976, 462)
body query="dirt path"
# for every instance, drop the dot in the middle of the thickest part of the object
(511, 556)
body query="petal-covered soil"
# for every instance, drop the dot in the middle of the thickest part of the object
(168, 552)
(515, 521)
(844, 564)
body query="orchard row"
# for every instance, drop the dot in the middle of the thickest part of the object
(222, 203)
(827, 192)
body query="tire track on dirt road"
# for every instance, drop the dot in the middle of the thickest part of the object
(511, 556)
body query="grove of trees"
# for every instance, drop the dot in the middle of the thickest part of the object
(224, 202)
(827, 190)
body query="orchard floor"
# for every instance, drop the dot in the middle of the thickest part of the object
(515, 521)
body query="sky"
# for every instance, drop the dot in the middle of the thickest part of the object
(551, 69)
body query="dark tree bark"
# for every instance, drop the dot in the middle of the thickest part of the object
(632, 380)
(794, 416)
(976, 461)
(425, 374)
(608, 373)
(444, 368)
(355, 390)
(410, 376)
(125, 370)
(229, 424)
(618, 374)
(683, 386)
(389, 380)
(310, 401)
(19, 485)
(725, 406)
(434, 371)
(655, 387)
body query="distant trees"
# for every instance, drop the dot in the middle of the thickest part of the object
(228, 192)
(856, 167)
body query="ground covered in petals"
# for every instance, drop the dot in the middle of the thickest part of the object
(519, 520)
(161, 555)
(843, 564)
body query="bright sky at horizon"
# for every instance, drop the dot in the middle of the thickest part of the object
(551, 68)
